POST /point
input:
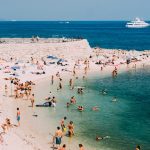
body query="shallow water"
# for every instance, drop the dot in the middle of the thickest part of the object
(125, 121)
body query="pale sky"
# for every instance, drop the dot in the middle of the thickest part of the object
(74, 9)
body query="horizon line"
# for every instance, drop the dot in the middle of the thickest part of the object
(14, 20)
(60, 20)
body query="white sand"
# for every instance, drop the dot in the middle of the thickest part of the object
(22, 137)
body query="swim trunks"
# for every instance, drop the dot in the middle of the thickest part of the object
(58, 140)
(18, 118)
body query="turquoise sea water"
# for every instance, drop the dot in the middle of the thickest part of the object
(126, 121)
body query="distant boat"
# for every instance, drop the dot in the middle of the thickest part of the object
(137, 23)
(62, 22)
(13, 20)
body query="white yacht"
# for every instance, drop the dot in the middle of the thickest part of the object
(137, 23)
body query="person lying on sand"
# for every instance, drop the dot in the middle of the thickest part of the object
(66, 70)
(46, 104)
(38, 73)
(8, 123)
(5, 126)
(1, 138)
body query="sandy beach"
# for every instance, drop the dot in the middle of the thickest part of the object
(23, 60)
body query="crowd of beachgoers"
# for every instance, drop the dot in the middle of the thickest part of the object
(20, 73)
(36, 39)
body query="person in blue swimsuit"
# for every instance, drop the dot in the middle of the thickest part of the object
(18, 116)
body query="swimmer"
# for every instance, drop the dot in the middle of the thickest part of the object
(95, 108)
(68, 104)
(114, 99)
(72, 100)
(80, 108)
(138, 147)
(104, 91)
(80, 90)
(98, 138)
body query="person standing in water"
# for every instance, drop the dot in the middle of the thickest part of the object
(62, 123)
(70, 129)
(60, 86)
(58, 137)
(71, 84)
(18, 116)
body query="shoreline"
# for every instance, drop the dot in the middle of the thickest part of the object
(107, 71)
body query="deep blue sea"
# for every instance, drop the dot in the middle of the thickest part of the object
(105, 34)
